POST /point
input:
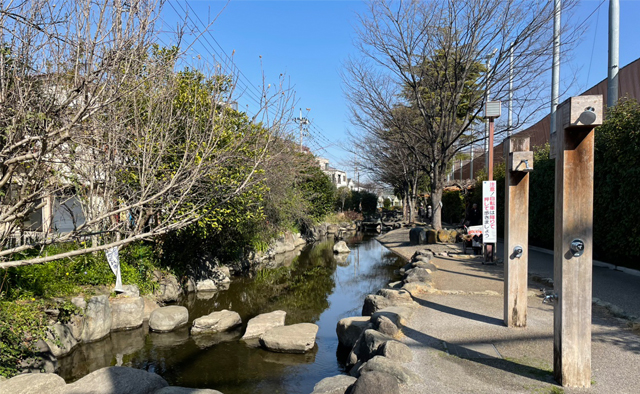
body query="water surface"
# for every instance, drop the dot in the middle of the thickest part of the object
(314, 286)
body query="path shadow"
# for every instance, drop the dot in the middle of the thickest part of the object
(460, 312)
(498, 363)
(495, 270)
(463, 273)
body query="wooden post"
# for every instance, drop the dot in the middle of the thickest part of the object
(519, 162)
(577, 117)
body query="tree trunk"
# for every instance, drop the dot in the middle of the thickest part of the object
(437, 185)
(405, 209)
(414, 197)
(407, 202)
(411, 209)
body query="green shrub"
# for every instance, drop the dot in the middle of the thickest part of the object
(453, 210)
(616, 232)
(70, 276)
(22, 324)
(541, 199)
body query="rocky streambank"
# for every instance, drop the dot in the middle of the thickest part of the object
(100, 318)
(376, 358)
(110, 380)
(267, 330)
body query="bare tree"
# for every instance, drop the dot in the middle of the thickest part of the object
(430, 57)
(387, 158)
(93, 110)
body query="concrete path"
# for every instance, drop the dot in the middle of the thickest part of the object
(461, 345)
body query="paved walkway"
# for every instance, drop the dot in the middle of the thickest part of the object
(461, 345)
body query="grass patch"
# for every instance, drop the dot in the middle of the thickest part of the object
(27, 291)
(71, 276)
(22, 324)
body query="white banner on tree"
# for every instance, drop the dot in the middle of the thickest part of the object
(114, 262)
(489, 228)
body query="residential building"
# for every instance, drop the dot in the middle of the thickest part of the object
(338, 177)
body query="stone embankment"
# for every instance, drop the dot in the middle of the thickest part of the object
(100, 315)
(110, 380)
(377, 356)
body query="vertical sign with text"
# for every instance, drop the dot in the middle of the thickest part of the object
(489, 219)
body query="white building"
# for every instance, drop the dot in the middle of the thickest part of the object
(338, 177)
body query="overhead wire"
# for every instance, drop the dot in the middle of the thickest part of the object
(247, 85)
(243, 85)
(593, 47)
(241, 81)
(590, 15)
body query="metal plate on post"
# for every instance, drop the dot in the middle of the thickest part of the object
(492, 109)
(521, 161)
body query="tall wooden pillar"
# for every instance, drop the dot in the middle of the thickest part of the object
(519, 160)
(576, 120)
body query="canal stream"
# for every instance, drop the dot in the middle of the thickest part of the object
(314, 286)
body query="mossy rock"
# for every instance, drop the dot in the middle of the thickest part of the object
(444, 236)
(432, 236)
(453, 235)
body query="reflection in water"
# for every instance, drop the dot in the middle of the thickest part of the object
(315, 286)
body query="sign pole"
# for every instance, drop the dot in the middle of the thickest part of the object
(492, 111)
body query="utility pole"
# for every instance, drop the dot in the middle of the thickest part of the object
(471, 162)
(303, 122)
(555, 73)
(486, 122)
(614, 52)
(510, 115)
(487, 127)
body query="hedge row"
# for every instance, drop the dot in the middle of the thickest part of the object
(616, 221)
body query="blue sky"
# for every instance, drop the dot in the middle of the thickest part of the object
(309, 41)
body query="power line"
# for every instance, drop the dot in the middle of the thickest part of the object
(223, 52)
(593, 47)
(242, 84)
(590, 15)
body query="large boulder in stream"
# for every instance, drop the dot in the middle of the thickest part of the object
(338, 384)
(206, 285)
(263, 323)
(185, 390)
(149, 306)
(218, 321)
(97, 319)
(126, 312)
(168, 318)
(349, 329)
(32, 383)
(60, 339)
(169, 289)
(341, 247)
(296, 338)
(117, 380)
